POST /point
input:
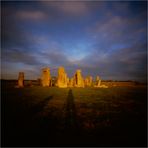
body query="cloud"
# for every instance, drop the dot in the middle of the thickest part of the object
(19, 56)
(15, 60)
(74, 8)
(124, 64)
(14, 33)
(10, 70)
(31, 15)
(118, 29)
(120, 7)
(52, 34)
(55, 57)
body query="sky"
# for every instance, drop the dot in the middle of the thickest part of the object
(105, 38)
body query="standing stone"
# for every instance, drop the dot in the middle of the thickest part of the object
(78, 79)
(45, 77)
(97, 78)
(62, 78)
(98, 82)
(68, 81)
(88, 81)
(21, 79)
(51, 82)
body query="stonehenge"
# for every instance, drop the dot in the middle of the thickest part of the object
(78, 79)
(88, 81)
(98, 83)
(62, 80)
(45, 80)
(21, 79)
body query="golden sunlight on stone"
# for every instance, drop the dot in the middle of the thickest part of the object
(21, 79)
(45, 77)
(62, 78)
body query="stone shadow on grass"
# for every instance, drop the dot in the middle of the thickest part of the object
(39, 107)
(71, 119)
(19, 126)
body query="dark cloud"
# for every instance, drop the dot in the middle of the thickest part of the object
(116, 29)
(126, 63)
(31, 15)
(12, 32)
(101, 38)
(19, 56)
(55, 58)
(73, 8)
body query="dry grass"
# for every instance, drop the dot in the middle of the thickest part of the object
(43, 116)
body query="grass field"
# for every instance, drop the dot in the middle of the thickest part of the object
(44, 116)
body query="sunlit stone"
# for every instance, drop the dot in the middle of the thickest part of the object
(21, 79)
(62, 78)
(45, 77)
(88, 81)
(97, 78)
(68, 81)
(78, 79)
(98, 83)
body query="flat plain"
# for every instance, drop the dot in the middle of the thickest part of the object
(51, 116)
